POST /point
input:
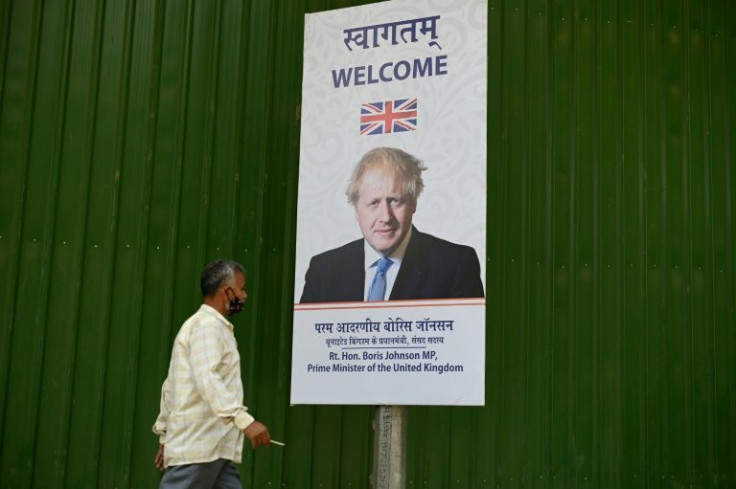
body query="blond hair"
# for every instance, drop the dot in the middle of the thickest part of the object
(403, 166)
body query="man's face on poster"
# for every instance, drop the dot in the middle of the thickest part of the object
(383, 210)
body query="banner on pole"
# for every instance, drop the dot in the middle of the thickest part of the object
(391, 221)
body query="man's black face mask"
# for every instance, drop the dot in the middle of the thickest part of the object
(235, 305)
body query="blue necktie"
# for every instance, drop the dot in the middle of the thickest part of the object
(378, 287)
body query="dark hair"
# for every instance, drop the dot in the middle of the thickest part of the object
(217, 273)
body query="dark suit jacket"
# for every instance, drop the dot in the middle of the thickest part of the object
(432, 268)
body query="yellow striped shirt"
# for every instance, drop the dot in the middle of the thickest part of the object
(202, 414)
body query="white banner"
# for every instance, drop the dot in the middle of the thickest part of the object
(389, 353)
(392, 168)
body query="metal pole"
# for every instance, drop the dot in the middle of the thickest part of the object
(389, 448)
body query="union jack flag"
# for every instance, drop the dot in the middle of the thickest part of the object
(388, 117)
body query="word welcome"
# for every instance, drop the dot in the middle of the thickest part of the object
(390, 71)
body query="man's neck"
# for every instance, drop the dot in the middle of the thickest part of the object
(216, 305)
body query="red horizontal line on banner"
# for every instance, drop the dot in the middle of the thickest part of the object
(389, 304)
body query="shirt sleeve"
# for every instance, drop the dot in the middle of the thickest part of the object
(206, 352)
(159, 427)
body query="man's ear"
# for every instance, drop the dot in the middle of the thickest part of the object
(222, 292)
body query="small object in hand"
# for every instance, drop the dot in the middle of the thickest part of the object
(278, 443)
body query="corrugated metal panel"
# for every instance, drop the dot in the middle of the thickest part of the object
(140, 139)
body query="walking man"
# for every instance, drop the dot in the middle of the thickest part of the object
(203, 422)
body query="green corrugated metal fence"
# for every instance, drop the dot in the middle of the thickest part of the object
(141, 138)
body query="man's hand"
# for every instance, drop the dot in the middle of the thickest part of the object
(258, 434)
(159, 461)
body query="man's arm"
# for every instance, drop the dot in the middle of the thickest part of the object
(159, 460)
(466, 279)
(311, 287)
(159, 427)
(336, 275)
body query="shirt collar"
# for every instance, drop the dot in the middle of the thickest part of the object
(372, 256)
(215, 312)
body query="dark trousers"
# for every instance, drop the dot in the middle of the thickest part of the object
(219, 474)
